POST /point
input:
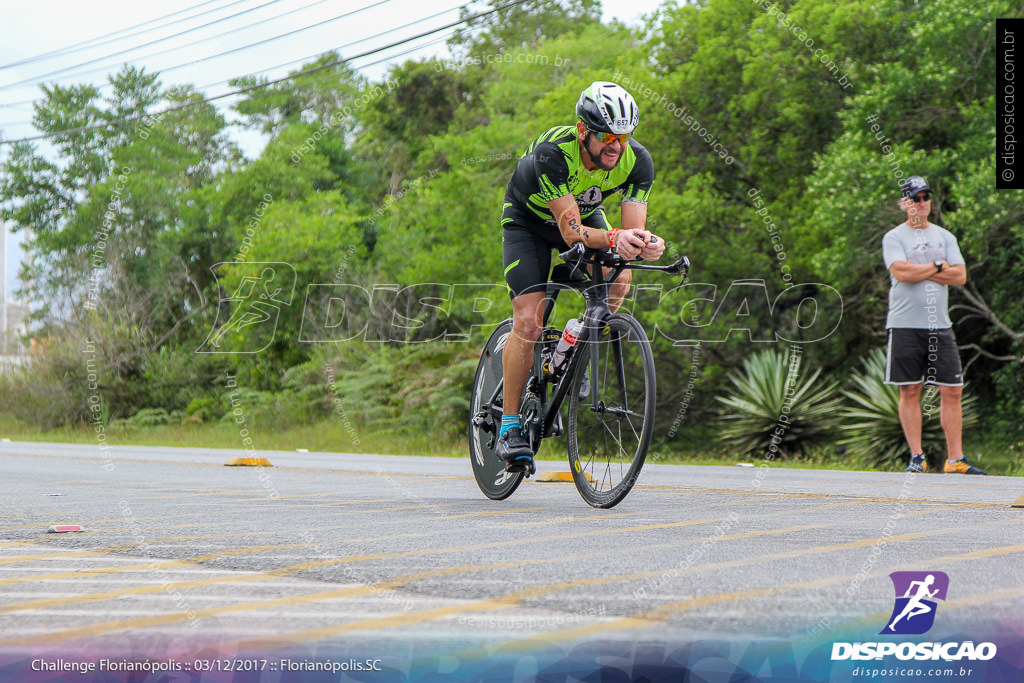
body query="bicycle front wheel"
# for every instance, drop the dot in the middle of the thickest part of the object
(610, 424)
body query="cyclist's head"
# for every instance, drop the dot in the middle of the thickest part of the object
(605, 107)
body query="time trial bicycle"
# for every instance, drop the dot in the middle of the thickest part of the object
(608, 379)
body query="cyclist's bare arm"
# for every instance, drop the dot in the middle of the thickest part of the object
(567, 213)
(634, 219)
(632, 241)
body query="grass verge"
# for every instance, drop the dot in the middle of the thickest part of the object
(988, 452)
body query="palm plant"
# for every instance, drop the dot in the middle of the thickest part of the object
(771, 403)
(871, 421)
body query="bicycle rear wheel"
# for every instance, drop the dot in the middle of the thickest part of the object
(485, 406)
(610, 426)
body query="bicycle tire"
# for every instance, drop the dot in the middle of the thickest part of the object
(488, 469)
(608, 440)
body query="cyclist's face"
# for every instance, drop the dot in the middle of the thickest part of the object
(605, 157)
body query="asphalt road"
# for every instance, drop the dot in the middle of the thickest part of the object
(181, 557)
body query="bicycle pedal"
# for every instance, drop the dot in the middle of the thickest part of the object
(520, 466)
(480, 421)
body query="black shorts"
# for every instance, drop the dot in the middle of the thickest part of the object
(929, 356)
(526, 250)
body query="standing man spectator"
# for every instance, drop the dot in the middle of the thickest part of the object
(923, 260)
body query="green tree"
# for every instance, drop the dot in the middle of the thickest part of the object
(930, 115)
(316, 93)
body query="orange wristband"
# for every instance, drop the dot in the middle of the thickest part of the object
(611, 237)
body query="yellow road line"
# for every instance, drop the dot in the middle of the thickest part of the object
(285, 571)
(847, 496)
(491, 513)
(662, 613)
(604, 516)
(69, 553)
(506, 601)
(90, 523)
(388, 585)
(162, 564)
(644, 619)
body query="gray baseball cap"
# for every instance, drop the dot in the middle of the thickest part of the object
(913, 185)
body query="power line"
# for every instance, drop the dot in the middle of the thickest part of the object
(243, 47)
(355, 42)
(204, 59)
(309, 84)
(110, 37)
(240, 91)
(37, 78)
(438, 41)
(304, 59)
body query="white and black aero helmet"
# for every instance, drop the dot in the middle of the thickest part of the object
(605, 107)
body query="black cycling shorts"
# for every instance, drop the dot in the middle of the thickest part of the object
(929, 356)
(526, 250)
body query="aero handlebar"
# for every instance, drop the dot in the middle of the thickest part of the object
(580, 254)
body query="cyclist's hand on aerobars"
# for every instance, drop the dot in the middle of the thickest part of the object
(629, 243)
(654, 247)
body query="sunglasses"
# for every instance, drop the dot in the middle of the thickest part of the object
(926, 197)
(609, 138)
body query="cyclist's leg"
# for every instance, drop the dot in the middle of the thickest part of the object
(619, 289)
(527, 258)
(527, 310)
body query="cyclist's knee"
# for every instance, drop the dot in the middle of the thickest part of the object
(527, 313)
(526, 327)
(620, 287)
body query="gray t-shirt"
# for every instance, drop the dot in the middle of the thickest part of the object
(919, 305)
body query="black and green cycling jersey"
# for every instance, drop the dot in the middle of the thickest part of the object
(551, 168)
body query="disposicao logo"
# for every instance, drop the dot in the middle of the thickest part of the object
(917, 594)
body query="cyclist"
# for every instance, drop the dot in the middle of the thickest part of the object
(553, 200)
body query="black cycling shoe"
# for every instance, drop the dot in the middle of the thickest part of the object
(515, 451)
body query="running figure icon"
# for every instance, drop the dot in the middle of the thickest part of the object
(915, 606)
(916, 596)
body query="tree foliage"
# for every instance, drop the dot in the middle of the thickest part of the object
(777, 132)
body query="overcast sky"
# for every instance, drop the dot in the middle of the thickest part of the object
(33, 29)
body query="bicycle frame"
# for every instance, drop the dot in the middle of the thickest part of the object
(595, 287)
(596, 292)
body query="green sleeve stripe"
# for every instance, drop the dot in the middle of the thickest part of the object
(550, 191)
(543, 215)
